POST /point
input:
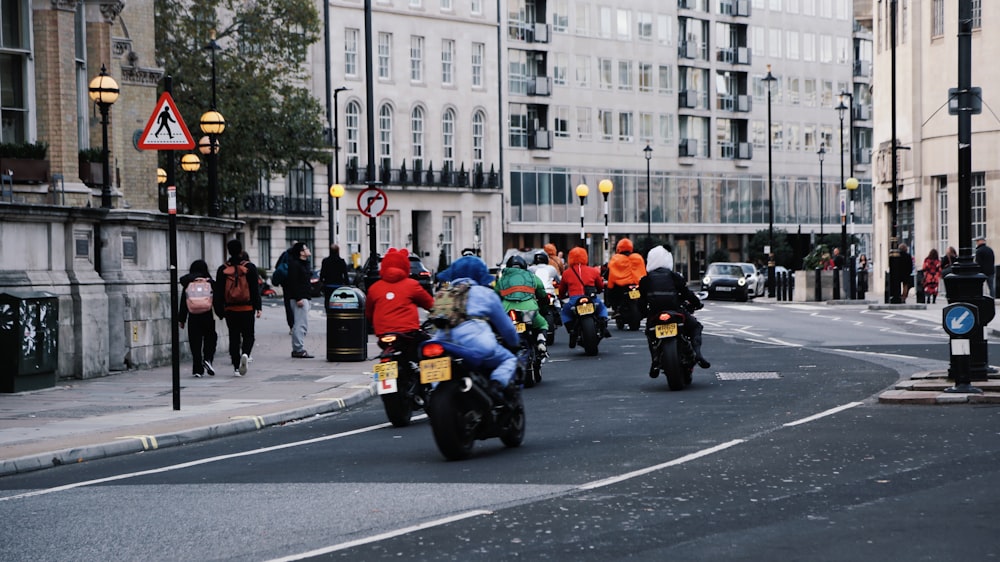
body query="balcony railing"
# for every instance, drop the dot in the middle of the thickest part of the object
(862, 69)
(539, 86)
(430, 177)
(687, 148)
(728, 102)
(687, 99)
(540, 139)
(282, 205)
(862, 112)
(687, 50)
(540, 33)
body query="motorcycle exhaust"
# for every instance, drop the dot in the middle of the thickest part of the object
(477, 392)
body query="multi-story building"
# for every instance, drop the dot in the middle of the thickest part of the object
(676, 92)
(926, 56)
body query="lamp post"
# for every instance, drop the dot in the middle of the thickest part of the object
(841, 109)
(336, 192)
(852, 184)
(605, 187)
(103, 91)
(822, 154)
(334, 200)
(581, 191)
(213, 124)
(190, 163)
(770, 190)
(648, 152)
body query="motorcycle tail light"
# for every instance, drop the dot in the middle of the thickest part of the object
(432, 350)
(664, 316)
(513, 315)
(583, 300)
(387, 339)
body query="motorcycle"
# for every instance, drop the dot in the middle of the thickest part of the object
(461, 408)
(628, 312)
(584, 326)
(673, 348)
(398, 378)
(553, 318)
(523, 319)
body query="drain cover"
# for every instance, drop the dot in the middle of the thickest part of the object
(748, 376)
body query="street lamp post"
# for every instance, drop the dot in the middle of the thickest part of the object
(841, 109)
(104, 92)
(605, 187)
(334, 167)
(770, 189)
(336, 192)
(190, 163)
(822, 154)
(648, 152)
(213, 124)
(852, 185)
(581, 191)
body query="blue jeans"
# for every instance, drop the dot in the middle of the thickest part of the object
(602, 311)
(481, 349)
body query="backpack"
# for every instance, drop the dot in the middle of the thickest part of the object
(237, 286)
(449, 308)
(199, 296)
(280, 274)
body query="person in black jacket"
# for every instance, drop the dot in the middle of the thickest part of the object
(333, 272)
(664, 289)
(298, 290)
(987, 264)
(202, 336)
(239, 316)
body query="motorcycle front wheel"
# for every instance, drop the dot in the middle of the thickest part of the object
(453, 434)
(670, 363)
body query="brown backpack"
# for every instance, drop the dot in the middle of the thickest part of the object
(237, 286)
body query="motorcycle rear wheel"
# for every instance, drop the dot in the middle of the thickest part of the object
(670, 363)
(588, 334)
(633, 316)
(453, 436)
(398, 408)
(513, 436)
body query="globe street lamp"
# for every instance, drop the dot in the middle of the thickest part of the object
(581, 191)
(852, 184)
(605, 187)
(190, 163)
(822, 154)
(770, 189)
(841, 109)
(648, 152)
(103, 91)
(336, 192)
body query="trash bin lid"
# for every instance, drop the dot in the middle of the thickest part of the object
(345, 298)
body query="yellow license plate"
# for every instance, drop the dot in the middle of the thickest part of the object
(435, 370)
(520, 327)
(385, 371)
(666, 330)
(585, 308)
(634, 294)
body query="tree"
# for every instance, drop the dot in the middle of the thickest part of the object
(272, 122)
(783, 253)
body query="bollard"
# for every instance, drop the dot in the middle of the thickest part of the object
(918, 282)
(791, 285)
(819, 285)
(836, 284)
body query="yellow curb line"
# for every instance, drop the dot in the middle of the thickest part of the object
(148, 441)
(257, 420)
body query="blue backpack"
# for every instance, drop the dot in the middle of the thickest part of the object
(280, 270)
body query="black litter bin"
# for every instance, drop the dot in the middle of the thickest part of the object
(29, 340)
(346, 328)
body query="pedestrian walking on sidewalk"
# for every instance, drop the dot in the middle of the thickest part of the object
(195, 310)
(333, 272)
(862, 276)
(238, 304)
(932, 275)
(987, 264)
(299, 292)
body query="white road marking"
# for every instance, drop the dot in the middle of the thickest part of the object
(654, 468)
(829, 412)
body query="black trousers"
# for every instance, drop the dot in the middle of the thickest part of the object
(203, 340)
(692, 329)
(241, 334)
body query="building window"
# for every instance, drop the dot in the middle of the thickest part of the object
(561, 124)
(517, 79)
(350, 52)
(353, 122)
(447, 62)
(560, 61)
(304, 234)
(666, 128)
(625, 126)
(604, 22)
(478, 137)
(665, 81)
(264, 246)
(978, 196)
(518, 125)
(645, 26)
(477, 7)
(937, 18)
(645, 77)
(605, 117)
(352, 232)
(478, 232)
(560, 16)
(417, 136)
(582, 71)
(448, 138)
(384, 236)
(624, 25)
(300, 182)
(448, 241)
(478, 54)
(941, 183)
(646, 128)
(664, 30)
(416, 58)
(385, 135)
(446, 5)
(583, 123)
(977, 15)
(605, 77)
(583, 19)
(625, 75)
(14, 56)
(384, 56)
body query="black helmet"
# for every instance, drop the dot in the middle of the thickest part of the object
(517, 261)
(541, 259)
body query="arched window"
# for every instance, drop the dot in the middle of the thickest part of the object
(353, 120)
(385, 135)
(448, 138)
(300, 182)
(478, 137)
(417, 136)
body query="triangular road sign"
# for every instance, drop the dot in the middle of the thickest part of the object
(165, 129)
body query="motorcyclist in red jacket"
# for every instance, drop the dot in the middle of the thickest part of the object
(577, 280)
(392, 301)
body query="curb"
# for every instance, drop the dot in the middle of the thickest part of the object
(141, 443)
(927, 388)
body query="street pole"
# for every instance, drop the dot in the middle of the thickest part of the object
(333, 170)
(648, 151)
(822, 154)
(770, 190)
(605, 187)
(370, 122)
(581, 191)
(894, 268)
(852, 254)
(841, 108)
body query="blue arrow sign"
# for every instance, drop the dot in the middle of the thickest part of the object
(959, 320)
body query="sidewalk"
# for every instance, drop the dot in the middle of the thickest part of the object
(127, 412)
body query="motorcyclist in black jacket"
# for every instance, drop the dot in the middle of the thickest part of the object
(664, 289)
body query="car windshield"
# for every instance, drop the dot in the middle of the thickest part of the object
(725, 270)
(747, 268)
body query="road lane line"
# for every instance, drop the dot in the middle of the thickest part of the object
(654, 468)
(382, 536)
(829, 412)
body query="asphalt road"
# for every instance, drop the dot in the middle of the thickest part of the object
(778, 452)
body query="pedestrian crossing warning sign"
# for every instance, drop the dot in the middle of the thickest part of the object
(165, 129)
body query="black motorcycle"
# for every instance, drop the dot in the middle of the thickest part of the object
(397, 376)
(673, 348)
(585, 326)
(523, 321)
(461, 407)
(628, 313)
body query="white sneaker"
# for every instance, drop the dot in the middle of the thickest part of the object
(244, 359)
(237, 373)
(209, 369)
(249, 359)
